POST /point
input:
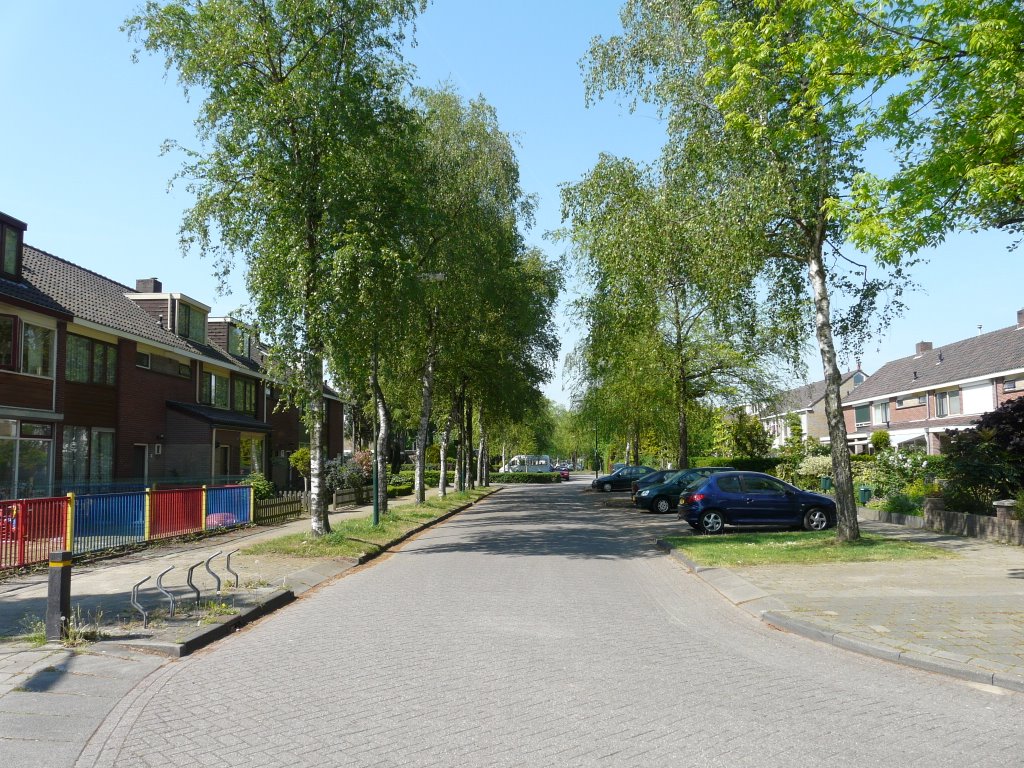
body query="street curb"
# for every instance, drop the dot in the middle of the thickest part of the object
(282, 597)
(223, 627)
(807, 629)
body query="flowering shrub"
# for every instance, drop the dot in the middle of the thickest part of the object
(341, 473)
(814, 467)
(895, 470)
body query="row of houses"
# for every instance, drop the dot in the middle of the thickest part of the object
(918, 399)
(106, 385)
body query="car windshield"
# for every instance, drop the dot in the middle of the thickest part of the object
(694, 484)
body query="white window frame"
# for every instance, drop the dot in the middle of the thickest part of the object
(877, 410)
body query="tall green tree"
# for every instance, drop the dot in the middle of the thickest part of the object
(291, 95)
(672, 317)
(754, 82)
(951, 109)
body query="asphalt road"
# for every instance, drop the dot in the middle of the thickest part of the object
(541, 628)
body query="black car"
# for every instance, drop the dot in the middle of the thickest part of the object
(658, 476)
(620, 479)
(664, 497)
(753, 498)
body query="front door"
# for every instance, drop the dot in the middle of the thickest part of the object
(140, 464)
(221, 458)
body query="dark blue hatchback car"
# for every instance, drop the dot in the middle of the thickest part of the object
(753, 498)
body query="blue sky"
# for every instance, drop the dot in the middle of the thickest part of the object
(82, 163)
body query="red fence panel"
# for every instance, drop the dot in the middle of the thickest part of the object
(175, 511)
(30, 529)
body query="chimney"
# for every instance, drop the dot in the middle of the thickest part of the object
(922, 347)
(148, 285)
(1020, 318)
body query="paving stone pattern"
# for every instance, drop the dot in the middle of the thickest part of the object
(539, 628)
(969, 609)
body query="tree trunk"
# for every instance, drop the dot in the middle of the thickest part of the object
(442, 484)
(481, 454)
(684, 425)
(470, 465)
(381, 446)
(847, 528)
(426, 406)
(319, 522)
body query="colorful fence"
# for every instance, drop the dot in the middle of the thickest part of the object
(32, 528)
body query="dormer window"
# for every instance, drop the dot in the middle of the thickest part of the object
(10, 250)
(238, 342)
(191, 323)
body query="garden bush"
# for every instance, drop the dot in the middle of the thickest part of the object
(769, 465)
(525, 477)
(262, 487)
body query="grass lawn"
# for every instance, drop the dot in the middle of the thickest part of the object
(790, 547)
(353, 538)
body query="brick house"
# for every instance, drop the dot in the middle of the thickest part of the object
(807, 403)
(922, 397)
(102, 385)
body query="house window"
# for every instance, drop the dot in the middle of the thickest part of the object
(142, 360)
(87, 456)
(214, 389)
(25, 459)
(8, 341)
(238, 342)
(37, 350)
(947, 403)
(191, 323)
(245, 396)
(881, 413)
(10, 252)
(90, 361)
(1010, 385)
(862, 415)
(907, 402)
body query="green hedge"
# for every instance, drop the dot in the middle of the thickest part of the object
(751, 465)
(399, 490)
(525, 477)
(430, 476)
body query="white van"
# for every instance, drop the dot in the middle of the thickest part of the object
(528, 463)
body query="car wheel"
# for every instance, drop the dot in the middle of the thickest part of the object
(607, 487)
(711, 521)
(661, 505)
(816, 519)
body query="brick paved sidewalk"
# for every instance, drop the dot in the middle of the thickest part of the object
(963, 617)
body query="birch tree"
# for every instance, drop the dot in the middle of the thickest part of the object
(290, 94)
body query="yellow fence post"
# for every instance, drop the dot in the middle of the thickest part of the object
(69, 530)
(147, 513)
(204, 507)
(252, 504)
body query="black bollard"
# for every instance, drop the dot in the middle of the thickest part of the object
(58, 599)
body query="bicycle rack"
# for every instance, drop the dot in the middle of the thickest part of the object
(192, 586)
(137, 606)
(164, 592)
(228, 566)
(209, 570)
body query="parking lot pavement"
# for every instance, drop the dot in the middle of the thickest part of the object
(962, 617)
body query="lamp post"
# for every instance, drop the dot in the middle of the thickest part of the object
(596, 452)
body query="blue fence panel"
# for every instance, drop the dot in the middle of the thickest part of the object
(109, 520)
(227, 505)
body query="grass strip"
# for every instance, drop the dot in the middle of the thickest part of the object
(352, 538)
(805, 547)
